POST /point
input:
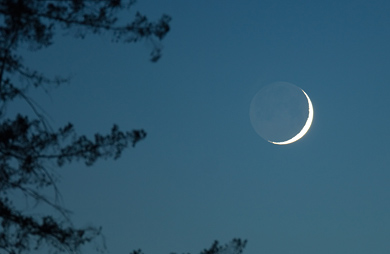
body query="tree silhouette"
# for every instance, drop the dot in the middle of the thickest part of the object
(30, 148)
(236, 246)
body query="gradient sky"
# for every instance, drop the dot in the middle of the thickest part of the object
(203, 174)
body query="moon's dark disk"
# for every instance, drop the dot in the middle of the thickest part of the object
(279, 111)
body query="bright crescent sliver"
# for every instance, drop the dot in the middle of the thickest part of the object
(305, 128)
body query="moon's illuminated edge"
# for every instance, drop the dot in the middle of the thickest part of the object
(305, 128)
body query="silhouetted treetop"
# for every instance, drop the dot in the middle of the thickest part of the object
(29, 147)
(235, 246)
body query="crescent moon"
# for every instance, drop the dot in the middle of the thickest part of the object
(305, 128)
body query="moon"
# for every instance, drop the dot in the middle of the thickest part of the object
(281, 113)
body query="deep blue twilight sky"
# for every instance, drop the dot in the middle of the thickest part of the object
(203, 174)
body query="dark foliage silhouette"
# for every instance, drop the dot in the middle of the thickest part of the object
(29, 147)
(236, 246)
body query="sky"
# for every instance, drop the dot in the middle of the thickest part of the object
(203, 173)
